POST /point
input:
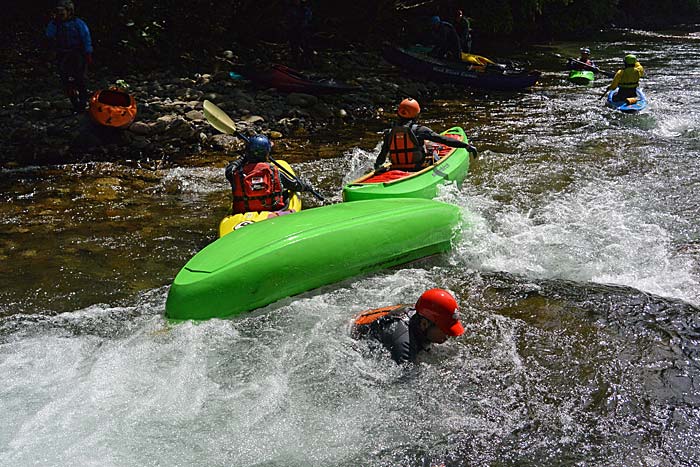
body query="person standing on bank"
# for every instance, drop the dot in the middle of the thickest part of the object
(71, 40)
(406, 330)
(404, 142)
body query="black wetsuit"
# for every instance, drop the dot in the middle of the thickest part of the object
(398, 332)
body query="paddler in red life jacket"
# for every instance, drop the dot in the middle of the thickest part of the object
(405, 330)
(627, 79)
(256, 183)
(405, 141)
(584, 58)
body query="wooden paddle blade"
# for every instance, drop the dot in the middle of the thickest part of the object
(218, 118)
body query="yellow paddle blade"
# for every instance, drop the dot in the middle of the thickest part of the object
(632, 100)
(218, 118)
(476, 59)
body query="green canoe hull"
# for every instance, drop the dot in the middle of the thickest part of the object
(583, 77)
(288, 255)
(424, 184)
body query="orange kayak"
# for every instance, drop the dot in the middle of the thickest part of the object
(113, 107)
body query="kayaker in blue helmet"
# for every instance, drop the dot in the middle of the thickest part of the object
(257, 184)
(627, 78)
(70, 37)
(584, 60)
(404, 142)
(407, 330)
(447, 44)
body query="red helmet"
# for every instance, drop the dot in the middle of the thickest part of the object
(440, 307)
(408, 108)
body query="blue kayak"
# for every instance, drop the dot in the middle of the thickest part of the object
(630, 105)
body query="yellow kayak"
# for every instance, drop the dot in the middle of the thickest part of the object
(477, 59)
(235, 221)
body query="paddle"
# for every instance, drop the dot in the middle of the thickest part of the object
(593, 68)
(222, 122)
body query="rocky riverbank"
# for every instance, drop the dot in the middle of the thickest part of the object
(38, 127)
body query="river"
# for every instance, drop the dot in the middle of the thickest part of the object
(578, 276)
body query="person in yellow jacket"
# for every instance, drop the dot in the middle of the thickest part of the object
(627, 79)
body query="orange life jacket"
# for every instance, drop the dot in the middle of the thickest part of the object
(405, 152)
(363, 321)
(257, 187)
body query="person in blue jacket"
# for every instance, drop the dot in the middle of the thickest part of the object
(447, 44)
(70, 37)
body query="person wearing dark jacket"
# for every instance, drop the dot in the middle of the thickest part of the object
(404, 142)
(258, 184)
(464, 31)
(406, 330)
(71, 40)
(299, 17)
(447, 44)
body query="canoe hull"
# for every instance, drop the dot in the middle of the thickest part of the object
(289, 255)
(286, 79)
(452, 167)
(459, 73)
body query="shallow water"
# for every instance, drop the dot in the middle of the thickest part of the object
(578, 274)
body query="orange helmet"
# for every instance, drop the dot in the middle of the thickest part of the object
(408, 108)
(440, 307)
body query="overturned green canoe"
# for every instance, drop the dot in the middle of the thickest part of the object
(291, 254)
(453, 165)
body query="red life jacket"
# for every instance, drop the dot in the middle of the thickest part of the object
(405, 152)
(257, 187)
(364, 320)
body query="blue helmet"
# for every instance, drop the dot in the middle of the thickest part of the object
(259, 147)
(435, 20)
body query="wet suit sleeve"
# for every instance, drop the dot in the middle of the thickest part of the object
(396, 338)
(424, 133)
(232, 168)
(381, 158)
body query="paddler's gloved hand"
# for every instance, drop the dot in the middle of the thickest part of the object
(472, 149)
(381, 169)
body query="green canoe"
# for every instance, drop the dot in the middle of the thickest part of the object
(288, 255)
(581, 76)
(453, 165)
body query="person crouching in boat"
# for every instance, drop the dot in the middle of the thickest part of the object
(584, 62)
(447, 43)
(627, 79)
(406, 331)
(256, 183)
(404, 142)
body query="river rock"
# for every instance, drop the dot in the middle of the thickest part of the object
(296, 99)
(140, 128)
(226, 143)
(195, 115)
